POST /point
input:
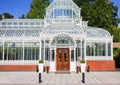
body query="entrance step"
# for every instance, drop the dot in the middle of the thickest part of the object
(62, 72)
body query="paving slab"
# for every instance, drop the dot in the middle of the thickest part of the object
(32, 78)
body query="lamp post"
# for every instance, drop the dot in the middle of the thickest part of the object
(83, 68)
(83, 77)
(40, 66)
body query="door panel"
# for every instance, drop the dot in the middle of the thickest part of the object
(63, 59)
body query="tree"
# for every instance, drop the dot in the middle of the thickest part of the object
(116, 34)
(22, 16)
(99, 13)
(117, 57)
(37, 9)
(0, 16)
(7, 16)
(119, 22)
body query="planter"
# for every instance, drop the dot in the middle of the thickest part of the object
(40, 66)
(78, 63)
(83, 67)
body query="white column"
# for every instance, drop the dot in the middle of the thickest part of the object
(97, 57)
(23, 48)
(81, 49)
(7, 51)
(94, 50)
(3, 51)
(31, 51)
(55, 54)
(74, 54)
(72, 11)
(83, 53)
(35, 52)
(111, 48)
(106, 54)
(40, 49)
(55, 58)
(85, 48)
(77, 52)
(44, 48)
(50, 54)
(70, 54)
(70, 58)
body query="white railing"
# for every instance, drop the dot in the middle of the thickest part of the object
(98, 58)
(18, 62)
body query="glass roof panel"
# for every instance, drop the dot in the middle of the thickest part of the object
(55, 29)
(32, 33)
(9, 33)
(96, 32)
(19, 33)
(2, 32)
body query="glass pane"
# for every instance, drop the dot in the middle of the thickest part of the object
(59, 57)
(96, 49)
(19, 53)
(10, 51)
(31, 51)
(109, 49)
(65, 51)
(65, 57)
(72, 55)
(60, 51)
(1, 51)
(47, 52)
(53, 55)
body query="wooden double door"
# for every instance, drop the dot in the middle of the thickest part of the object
(63, 59)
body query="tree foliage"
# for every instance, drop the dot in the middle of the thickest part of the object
(22, 16)
(99, 13)
(118, 20)
(6, 16)
(37, 9)
(0, 16)
(117, 57)
(116, 34)
(103, 14)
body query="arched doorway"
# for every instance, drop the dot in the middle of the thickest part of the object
(62, 43)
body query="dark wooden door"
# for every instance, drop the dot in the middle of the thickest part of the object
(63, 59)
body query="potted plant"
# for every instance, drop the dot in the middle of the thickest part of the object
(83, 65)
(40, 66)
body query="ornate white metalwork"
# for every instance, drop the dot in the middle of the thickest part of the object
(62, 27)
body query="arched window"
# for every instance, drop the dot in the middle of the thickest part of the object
(62, 40)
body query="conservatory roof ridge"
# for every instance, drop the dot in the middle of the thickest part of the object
(22, 19)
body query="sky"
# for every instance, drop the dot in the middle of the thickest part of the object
(19, 7)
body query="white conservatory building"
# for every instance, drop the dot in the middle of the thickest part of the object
(61, 40)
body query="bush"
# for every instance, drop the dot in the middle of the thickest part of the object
(117, 62)
(117, 57)
(82, 61)
(40, 61)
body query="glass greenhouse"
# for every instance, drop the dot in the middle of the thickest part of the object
(60, 39)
